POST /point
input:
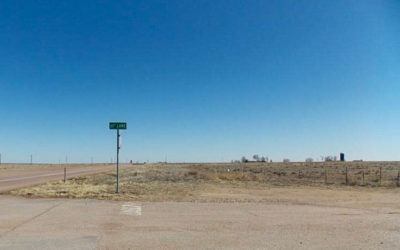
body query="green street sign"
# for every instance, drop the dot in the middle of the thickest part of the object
(117, 125)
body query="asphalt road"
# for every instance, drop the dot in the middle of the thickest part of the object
(15, 178)
(90, 224)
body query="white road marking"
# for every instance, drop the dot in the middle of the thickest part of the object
(130, 208)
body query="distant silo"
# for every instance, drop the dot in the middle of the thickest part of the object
(342, 157)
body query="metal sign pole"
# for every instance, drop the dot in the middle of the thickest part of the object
(118, 135)
(117, 126)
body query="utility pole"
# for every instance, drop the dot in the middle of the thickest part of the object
(31, 160)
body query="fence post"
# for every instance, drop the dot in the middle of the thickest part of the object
(380, 176)
(347, 178)
(363, 178)
(398, 179)
(326, 177)
(65, 174)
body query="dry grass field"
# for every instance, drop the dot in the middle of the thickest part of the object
(221, 181)
(220, 206)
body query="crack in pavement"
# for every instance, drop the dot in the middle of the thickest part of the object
(30, 219)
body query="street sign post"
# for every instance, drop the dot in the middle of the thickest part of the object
(118, 126)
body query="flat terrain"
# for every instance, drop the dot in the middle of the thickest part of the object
(217, 182)
(299, 218)
(13, 176)
(210, 206)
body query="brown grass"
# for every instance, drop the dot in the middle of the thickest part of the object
(199, 182)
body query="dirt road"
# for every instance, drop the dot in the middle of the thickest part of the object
(15, 178)
(92, 224)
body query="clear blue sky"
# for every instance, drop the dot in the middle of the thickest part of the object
(199, 80)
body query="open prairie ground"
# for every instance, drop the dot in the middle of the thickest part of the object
(226, 182)
(210, 206)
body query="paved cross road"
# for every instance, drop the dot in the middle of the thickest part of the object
(15, 178)
(90, 224)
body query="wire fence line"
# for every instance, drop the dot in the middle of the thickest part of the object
(354, 177)
(385, 174)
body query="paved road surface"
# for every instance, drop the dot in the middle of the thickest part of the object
(11, 179)
(89, 224)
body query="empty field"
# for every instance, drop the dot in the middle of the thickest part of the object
(218, 206)
(220, 182)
